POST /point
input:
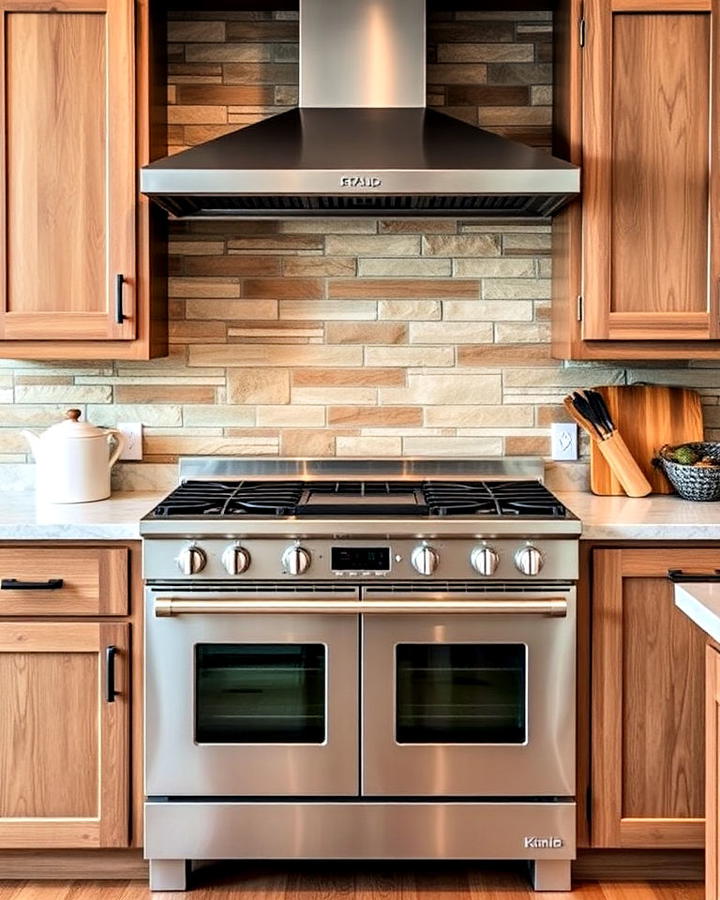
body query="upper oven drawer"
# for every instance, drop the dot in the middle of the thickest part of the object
(63, 581)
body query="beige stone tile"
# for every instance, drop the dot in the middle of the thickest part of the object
(430, 389)
(514, 115)
(164, 415)
(292, 416)
(212, 445)
(283, 288)
(497, 355)
(348, 377)
(184, 32)
(197, 332)
(196, 248)
(220, 416)
(325, 310)
(487, 311)
(378, 417)
(150, 394)
(258, 386)
(519, 332)
(368, 446)
(63, 393)
(409, 310)
(494, 267)
(280, 355)
(452, 446)
(228, 53)
(417, 226)
(527, 240)
(320, 266)
(409, 356)
(372, 245)
(451, 333)
(451, 416)
(400, 267)
(32, 416)
(457, 73)
(350, 395)
(231, 309)
(403, 288)
(197, 115)
(329, 226)
(461, 245)
(516, 289)
(560, 377)
(276, 332)
(307, 442)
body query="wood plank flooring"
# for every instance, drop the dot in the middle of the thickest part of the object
(376, 881)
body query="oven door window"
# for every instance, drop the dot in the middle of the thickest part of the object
(461, 694)
(260, 693)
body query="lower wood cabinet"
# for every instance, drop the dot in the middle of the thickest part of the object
(712, 771)
(647, 713)
(64, 742)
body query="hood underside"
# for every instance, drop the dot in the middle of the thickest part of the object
(397, 162)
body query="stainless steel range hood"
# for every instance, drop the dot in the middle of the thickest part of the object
(362, 141)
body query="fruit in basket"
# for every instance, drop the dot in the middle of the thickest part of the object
(684, 455)
(707, 462)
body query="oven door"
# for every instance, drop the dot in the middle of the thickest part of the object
(244, 702)
(472, 694)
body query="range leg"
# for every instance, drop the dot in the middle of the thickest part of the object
(169, 874)
(551, 874)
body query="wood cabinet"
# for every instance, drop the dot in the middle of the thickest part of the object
(72, 281)
(712, 770)
(638, 259)
(64, 744)
(647, 720)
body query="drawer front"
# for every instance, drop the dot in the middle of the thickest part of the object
(58, 581)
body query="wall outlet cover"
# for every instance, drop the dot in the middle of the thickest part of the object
(133, 436)
(564, 440)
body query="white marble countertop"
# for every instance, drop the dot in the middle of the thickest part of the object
(23, 519)
(700, 601)
(661, 517)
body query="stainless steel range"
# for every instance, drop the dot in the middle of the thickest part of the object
(351, 659)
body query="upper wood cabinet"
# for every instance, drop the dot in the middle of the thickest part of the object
(72, 282)
(637, 113)
(647, 702)
(64, 745)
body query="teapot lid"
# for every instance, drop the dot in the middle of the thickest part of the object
(72, 427)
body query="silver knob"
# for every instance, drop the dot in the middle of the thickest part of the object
(191, 560)
(529, 560)
(296, 560)
(236, 559)
(484, 560)
(424, 559)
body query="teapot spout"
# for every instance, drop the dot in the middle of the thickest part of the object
(33, 440)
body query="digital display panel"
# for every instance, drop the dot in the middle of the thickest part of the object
(361, 559)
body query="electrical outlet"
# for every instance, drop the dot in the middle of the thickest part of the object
(133, 435)
(564, 440)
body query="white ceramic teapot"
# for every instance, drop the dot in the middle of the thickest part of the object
(73, 460)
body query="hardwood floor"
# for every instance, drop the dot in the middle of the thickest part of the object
(305, 881)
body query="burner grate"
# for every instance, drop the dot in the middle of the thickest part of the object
(225, 499)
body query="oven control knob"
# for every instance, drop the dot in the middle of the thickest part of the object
(236, 559)
(484, 560)
(296, 560)
(424, 559)
(529, 560)
(191, 560)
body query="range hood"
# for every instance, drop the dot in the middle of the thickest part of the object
(362, 141)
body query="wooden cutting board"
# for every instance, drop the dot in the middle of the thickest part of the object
(647, 416)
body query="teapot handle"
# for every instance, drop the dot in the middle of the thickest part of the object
(121, 444)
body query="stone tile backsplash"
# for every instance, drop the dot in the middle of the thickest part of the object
(339, 337)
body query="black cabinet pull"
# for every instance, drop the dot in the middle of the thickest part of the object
(12, 584)
(119, 314)
(677, 576)
(110, 692)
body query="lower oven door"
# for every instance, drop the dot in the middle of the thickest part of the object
(476, 703)
(239, 702)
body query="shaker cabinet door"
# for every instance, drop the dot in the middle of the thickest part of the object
(647, 702)
(64, 744)
(651, 198)
(67, 171)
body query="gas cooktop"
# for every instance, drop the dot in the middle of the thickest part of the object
(237, 499)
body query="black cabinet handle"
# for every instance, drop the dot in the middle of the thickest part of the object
(110, 692)
(12, 584)
(119, 314)
(677, 576)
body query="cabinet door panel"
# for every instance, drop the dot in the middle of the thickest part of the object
(63, 747)
(647, 702)
(68, 171)
(650, 254)
(712, 765)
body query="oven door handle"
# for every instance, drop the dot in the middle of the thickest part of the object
(182, 606)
